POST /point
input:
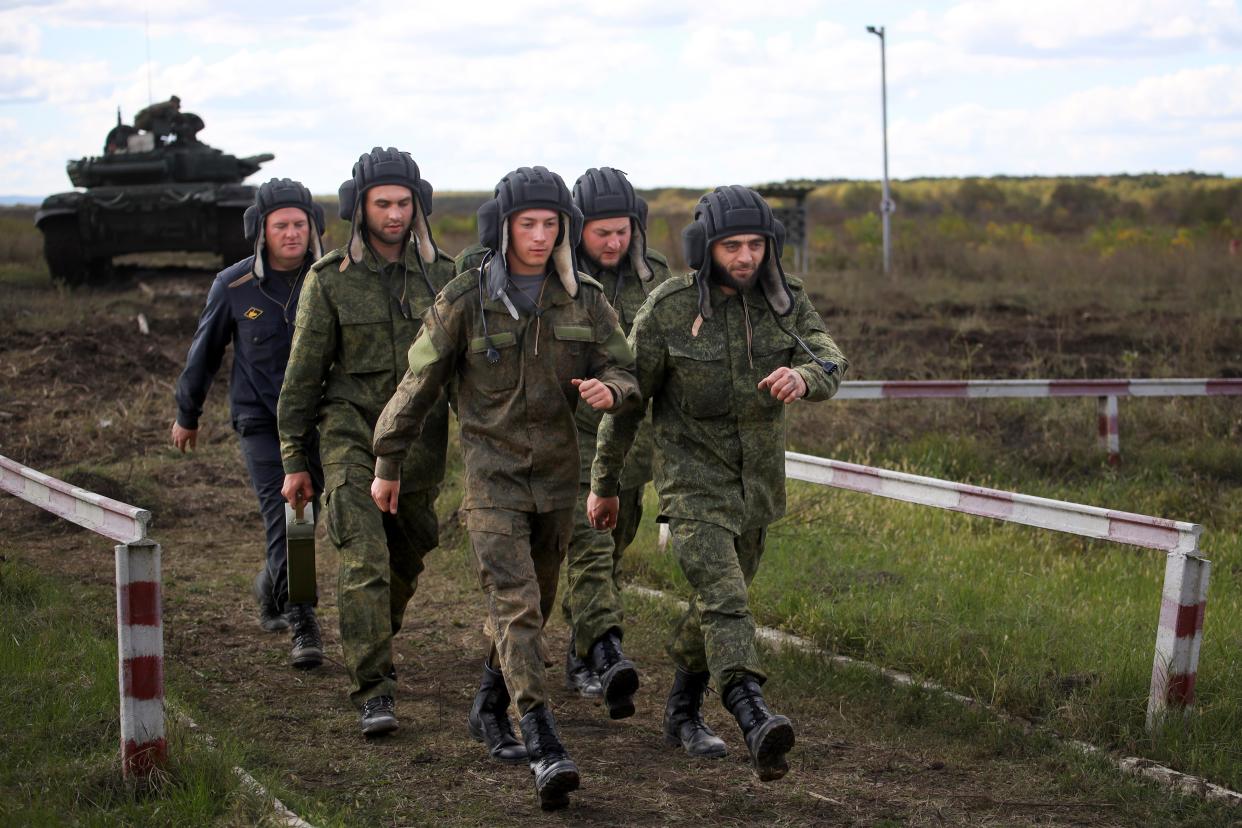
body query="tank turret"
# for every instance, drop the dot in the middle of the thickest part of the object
(155, 188)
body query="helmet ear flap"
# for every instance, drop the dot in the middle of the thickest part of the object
(576, 223)
(317, 216)
(640, 210)
(694, 244)
(425, 192)
(347, 195)
(778, 232)
(250, 222)
(489, 224)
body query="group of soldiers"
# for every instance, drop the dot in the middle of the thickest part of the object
(578, 368)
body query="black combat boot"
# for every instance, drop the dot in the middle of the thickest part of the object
(683, 717)
(617, 675)
(769, 736)
(578, 676)
(307, 645)
(489, 719)
(378, 716)
(555, 773)
(271, 619)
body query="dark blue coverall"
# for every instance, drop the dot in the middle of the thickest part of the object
(257, 317)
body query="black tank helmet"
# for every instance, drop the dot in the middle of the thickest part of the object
(375, 168)
(731, 211)
(605, 192)
(528, 188)
(272, 196)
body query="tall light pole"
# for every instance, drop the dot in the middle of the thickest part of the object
(886, 202)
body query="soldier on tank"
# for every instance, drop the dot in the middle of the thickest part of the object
(525, 339)
(720, 352)
(361, 308)
(614, 251)
(252, 304)
(159, 118)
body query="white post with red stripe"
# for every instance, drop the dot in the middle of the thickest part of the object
(1107, 390)
(140, 657)
(1182, 607)
(139, 616)
(1185, 576)
(1110, 431)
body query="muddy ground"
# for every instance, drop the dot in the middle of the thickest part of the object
(91, 401)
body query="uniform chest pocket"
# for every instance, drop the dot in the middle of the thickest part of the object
(572, 345)
(702, 380)
(501, 375)
(261, 338)
(366, 340)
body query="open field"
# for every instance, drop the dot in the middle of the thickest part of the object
(1050, 627)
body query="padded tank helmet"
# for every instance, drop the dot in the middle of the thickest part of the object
(375, 168)
(275, 195)
(605, 192)
(529, 188)
(733, 211)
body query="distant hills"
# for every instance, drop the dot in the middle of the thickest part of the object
(19, 200)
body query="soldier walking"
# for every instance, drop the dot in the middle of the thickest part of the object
(360, 311)
(721, 351)
(252, 304)
(526, 339)
(614, 252)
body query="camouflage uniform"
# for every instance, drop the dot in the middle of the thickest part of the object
(349, 352)
(518, 439)
(592, 603)
(469, 258)
(720, 440)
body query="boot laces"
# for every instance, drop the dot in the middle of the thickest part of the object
(377, 704)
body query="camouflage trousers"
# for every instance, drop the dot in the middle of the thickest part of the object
(717, 632)
(592, 603)
(381, 558)
(519, 556)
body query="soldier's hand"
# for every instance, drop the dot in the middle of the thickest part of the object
(297, 488)
(602, 511)
(385, 494)
(596, 394)
(184, 438)
(785, 384)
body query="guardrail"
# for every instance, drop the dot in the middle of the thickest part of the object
(1107, 391)
(1183, 602)
(139, 614)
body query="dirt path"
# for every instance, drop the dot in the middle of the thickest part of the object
(859, 758)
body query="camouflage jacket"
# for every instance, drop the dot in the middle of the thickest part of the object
(626, 293)
(349, 352)
(469, 257)
(719, 439)
(517, 414)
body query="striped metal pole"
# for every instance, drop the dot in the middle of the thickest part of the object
(1178, 638)
(1110, 431)
(140, 657)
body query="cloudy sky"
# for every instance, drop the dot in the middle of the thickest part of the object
(676, 93)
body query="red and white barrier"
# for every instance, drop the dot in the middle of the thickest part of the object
(1186, 573)
(1107, 390)
(140, 656)
(976, 389)
(139, 616)
(102, 515)
(1182, 606)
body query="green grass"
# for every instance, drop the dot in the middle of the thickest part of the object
(60, 727)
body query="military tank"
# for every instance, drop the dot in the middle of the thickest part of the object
(155, 188)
